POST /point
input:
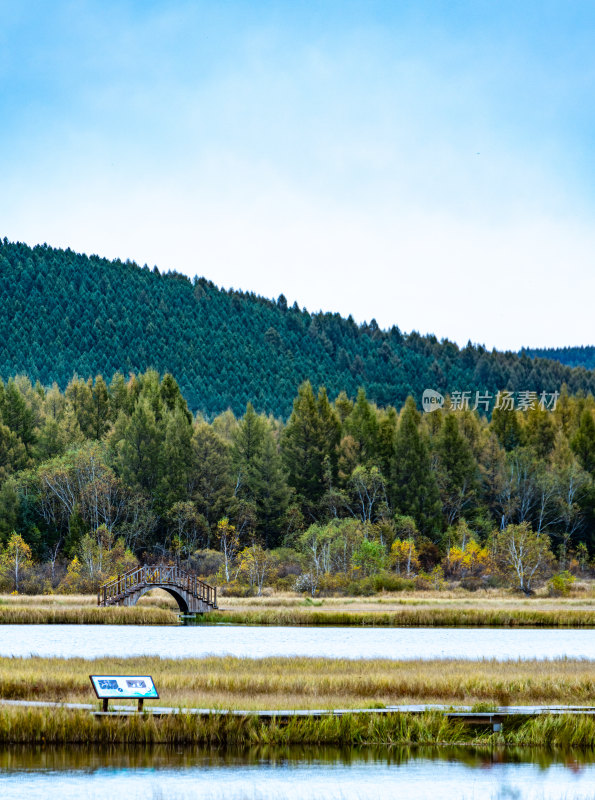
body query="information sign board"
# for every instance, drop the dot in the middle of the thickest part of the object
(110, 687)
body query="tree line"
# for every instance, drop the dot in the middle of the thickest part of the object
(101, 474)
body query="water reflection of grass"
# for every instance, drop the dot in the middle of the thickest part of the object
(81, 757)
(282, 683)
(179, 757)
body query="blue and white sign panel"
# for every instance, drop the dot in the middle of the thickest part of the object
(125, 686)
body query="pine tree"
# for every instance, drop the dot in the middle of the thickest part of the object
(414, 490)
(540, 431)
(260, 479)
(177, 458)
(138, 441)
(457, 470)
(272, 495)
(583, 442)
(387, 431)
(80, 396)
(101, 408)
(362, 425)
(210, 485)
(13, 454)
(505, 425)
(247, 446)
(118, 394)
(18, 415)
(305, 445)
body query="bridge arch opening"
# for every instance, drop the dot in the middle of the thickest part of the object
(182, 604)
(190, 594)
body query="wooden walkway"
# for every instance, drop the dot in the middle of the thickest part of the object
(463, 713)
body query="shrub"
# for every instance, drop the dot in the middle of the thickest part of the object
(206, 562)
(559, 585)
(334, 584)
(361, 588)
(472, 584)
(236, 589)
(286, 584)
(423, 582)
(387, 582)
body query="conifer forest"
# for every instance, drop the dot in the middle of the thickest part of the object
(147, 417)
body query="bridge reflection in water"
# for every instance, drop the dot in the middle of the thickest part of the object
(192, 595)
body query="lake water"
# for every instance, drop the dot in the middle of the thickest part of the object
(93, 641)
(442, 774)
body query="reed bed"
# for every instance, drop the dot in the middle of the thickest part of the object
(385, 601)
(20, 726)
(407, 616)
(85, 615)
(456, 607)
(583, 598)
(153, 599)
(50, 726)
(309, 683)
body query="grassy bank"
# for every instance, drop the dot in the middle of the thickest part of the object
(55, 614)
(411, 616)
(496, 608)
(278, 683)
(44, 726)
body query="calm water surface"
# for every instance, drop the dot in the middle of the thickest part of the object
(290, 773)
(257, 642)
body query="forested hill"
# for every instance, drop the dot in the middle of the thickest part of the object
(65, 313)
(571, 356)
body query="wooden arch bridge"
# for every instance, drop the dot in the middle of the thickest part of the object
(192, 595)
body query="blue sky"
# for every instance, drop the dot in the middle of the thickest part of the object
(429, 164)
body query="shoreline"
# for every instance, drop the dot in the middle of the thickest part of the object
(402, 616)
(57, 727)
(408, 617)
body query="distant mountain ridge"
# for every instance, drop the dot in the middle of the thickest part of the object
(583, 356)
(65, 313)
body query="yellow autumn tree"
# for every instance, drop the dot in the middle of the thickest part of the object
(15, 560)
(256, 565)
(404, 557)
(471, 560)
(71, 582)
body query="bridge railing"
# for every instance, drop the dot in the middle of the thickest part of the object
(125, 584)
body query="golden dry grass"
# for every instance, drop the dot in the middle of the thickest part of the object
(416, 617)
(153, 599)
(498, 608)
(155, 608)
(443, 608)
(581, 598)
(285, 683)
